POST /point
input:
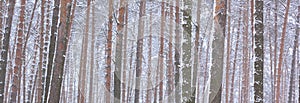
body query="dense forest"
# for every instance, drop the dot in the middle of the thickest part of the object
(149, 51)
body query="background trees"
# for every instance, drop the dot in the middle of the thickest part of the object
(148, 51)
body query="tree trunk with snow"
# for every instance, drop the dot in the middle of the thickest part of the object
(139, 49)
(214, 85)
(61, 48)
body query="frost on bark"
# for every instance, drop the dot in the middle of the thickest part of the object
(15, 91)
(118, 53)
(259, 52)
(5, 47)
(83, 57)
(186, 51)
(61, 48)
(139, 49)
(214, 86)
(177, 54)
(51, 48)
(91, 88)
(108, 52)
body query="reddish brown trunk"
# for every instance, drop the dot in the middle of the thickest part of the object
(278, 82)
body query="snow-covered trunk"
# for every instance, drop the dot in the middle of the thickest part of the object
(170, 76)
(139, 51)
(186, 51)
(177, 56)
(118, 53)
(6, 39)
(214, 86)
(83, 57)
(61, 48)
(41, 50)
(293, 69)
(125, 68)
(91, 91)
(160, 69)
(51, 48)
(259, 51)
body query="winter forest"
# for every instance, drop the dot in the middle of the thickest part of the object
(149, 51)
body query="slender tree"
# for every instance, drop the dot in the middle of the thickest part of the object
(160, 69)
(16, 91)
(177, 56)
(245, 80)
(109, 52)
(5, 47)
(259, 51)
(278, 82)
(125, 55)
(91, 91)
(41, 50)
(148, 95)
(139, 49)
(83, 57)
(235, 60)
(228, 52)
(170, 76)
(118, 53)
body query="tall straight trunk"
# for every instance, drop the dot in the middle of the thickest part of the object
(259, 51)
(186, 51)
(118, 53)
(297, 33)
(83, 58)
(275, 49)
(231, 100)
(148, 95)
(160, 69)
(228, 52)
(170, 76)
(125, 56)
(277, 92)
(196, 53)
(46, 48)
(293, 69)
(5, 47)
(270, 47)
(139, 49)
(177, 56)
(108, 52)
(51, 48)
(215, 80)
(91, 91)
(1, 26)
(245, 80)
(61, 48)
(40, 68)
(16, 87)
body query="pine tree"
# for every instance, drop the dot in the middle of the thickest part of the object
(259, 52)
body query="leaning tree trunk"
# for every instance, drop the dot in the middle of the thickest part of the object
(215, 78)
(278, 82)
(61, 48)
